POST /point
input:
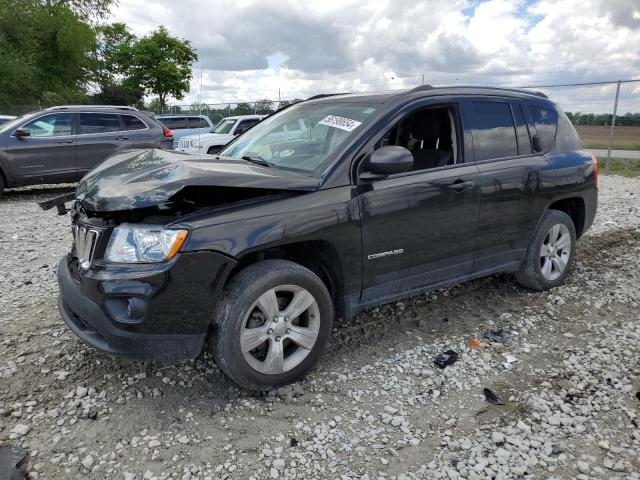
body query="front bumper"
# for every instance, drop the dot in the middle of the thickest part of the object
(178, 302)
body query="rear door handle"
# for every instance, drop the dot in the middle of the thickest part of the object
(67, 142)
(122, 138)
(460, 185)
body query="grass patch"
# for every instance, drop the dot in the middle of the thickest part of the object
(625, 167)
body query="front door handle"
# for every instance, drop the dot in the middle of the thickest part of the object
(65, 142)
(460, 185)
(122, 138)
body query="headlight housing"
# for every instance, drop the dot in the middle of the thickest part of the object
(193, 143)
(143, 244)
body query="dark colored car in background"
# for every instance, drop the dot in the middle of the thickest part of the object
(61, 144)
(385, 196)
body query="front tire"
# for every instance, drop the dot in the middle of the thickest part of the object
(550, 253)
(271, 325)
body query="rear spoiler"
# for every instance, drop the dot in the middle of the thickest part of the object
(58, 202)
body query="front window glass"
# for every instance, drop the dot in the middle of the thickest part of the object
(223, 127)
(54, 125)
(301, 137)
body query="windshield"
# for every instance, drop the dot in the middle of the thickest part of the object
(224, 126)
(301, 137)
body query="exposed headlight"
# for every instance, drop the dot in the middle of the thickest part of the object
(143, 244)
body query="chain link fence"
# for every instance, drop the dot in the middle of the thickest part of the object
(607, 117)
(605, 114)
(217, 111)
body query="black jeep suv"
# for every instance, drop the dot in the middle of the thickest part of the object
(379, 197)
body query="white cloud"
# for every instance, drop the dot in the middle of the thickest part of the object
(252, 48)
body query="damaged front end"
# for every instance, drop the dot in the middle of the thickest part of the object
(127, 286)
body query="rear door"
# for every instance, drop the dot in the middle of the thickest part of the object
(100, 135)
(511, 176)
(48, 154)
(139, 133)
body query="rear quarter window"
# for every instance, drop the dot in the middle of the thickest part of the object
(546, 123)
(133, 123)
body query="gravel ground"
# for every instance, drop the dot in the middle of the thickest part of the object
(376, 406)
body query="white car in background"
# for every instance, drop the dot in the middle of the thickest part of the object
(6, 118)
(225, 131)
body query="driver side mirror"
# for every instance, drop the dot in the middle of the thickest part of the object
(386, 161)
(21, 132)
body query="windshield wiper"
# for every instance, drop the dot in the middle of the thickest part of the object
(258, 161)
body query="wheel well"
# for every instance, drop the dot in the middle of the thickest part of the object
(574, 207)
(318, 256)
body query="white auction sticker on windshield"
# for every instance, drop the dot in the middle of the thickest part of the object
(342, 123)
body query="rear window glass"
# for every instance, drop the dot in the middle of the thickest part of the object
(174, 123)
(99, 123)
(546, 122)
(197, 122)
(494, 135)
(133, 123)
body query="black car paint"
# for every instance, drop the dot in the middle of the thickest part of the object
(452, 223)
(147, 178)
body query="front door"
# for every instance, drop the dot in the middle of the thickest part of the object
(419, 228)
(48, 154)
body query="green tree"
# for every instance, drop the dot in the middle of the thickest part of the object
(44, 53)
(264, 107)
(242, 109)
(112, 65)
(86, 9)
(161, 65)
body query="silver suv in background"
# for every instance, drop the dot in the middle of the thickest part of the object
(226, 130)
(183, 125)
(61, 144)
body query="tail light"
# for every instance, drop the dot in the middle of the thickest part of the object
(595, 170)
(166, 132)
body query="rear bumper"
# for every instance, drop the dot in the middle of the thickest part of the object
(175, 320)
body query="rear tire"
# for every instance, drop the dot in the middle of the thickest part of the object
(271, 325)
(1, 185)
(550, 253)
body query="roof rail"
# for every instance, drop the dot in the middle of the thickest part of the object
(113, 107)
(421, 88)
(322, 95)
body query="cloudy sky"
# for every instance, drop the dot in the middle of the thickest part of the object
(250, 49)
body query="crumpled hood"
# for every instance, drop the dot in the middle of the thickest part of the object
(146, 178)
